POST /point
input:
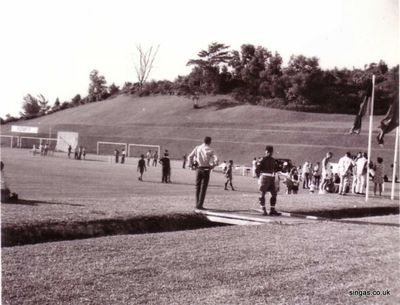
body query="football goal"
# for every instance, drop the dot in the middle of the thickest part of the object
(108, 148)
(135, 150)
(28, 142)
(7, 141)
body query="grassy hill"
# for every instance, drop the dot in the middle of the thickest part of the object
(240, 132)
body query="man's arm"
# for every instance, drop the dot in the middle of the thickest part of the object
(192, 154)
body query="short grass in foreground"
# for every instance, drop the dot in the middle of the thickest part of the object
(317, 263)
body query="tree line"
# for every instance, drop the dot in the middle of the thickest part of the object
(252, 75)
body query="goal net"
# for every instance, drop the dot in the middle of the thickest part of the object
(7, 141)
(135, 150)
(65, 139)
(28, 142)
(108, 148)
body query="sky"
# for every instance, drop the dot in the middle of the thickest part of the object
(50, 46)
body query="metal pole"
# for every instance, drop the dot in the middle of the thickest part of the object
(370, 136)
(396, 148)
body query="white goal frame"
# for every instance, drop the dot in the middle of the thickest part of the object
(145, 145)
(36, 138)
(110, 143)
(11, 137)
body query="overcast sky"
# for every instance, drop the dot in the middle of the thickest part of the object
(50, 46)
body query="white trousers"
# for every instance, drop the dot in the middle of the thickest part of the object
(360, 183)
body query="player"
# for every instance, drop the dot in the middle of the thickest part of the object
(266, 172)
(228, 175)
(166, 168)
(326, 172)
(344, 168)
(141, 168)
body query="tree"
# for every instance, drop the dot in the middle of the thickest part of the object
(33, 107)
(76, 100)
(145, 65)
(113, 89)
(97, 87)
(206, 71)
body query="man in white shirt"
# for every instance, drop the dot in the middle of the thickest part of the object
(326, 172)
(361, 173)
(344, 169)
(206, 160)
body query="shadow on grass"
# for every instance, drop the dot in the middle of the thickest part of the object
(38, 202)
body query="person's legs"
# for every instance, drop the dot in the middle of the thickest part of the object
(362, 183)
(199, 179)
(342, 185)
(261, 201)
(230, 182)
(380, 189)
(203, 187)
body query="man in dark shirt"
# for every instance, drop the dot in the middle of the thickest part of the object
(141, 167)
(266, 172)
(166, 167)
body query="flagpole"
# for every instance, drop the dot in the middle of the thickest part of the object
(396, 148)
(370, 136)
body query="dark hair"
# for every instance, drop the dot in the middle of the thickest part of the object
(269, 149)
(207, 140)
(348, 154)
(141, 156)
(230, 161)
(2, 165)
(380, 160)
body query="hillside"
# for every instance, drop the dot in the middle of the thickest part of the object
(239, 132)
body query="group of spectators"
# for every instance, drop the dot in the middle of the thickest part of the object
(43, 149)
(79, 152)
(350, 175)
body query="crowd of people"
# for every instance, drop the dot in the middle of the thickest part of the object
(350, 175)
(42, 149)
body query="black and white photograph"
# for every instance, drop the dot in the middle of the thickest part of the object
(200, 152)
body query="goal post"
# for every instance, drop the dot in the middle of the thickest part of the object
(135, 150)
(107, 148)
(7, 141)
(28, 142)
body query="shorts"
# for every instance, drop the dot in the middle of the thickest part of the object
(267, 184)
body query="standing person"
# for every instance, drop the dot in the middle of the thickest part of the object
(116, 154)
(206, 160)
(326, 172)
(148, 156)
(166, 167)
(123, 155)
(266, 172)
(76, 154)
(361, 174)
(41, 149)
(80, 152)
(45, 149)
(184, 161)
(253, 167)
(34, 149)
(344, 169)
(69, 151)
(316, 174)
(378, 178)
(141, 168)
(229, 175)
(293, 181)
(155, 158)
(306, 175)
(354, 172)
(84, 152)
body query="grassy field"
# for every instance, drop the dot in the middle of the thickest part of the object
(240, 132)
(315, 262)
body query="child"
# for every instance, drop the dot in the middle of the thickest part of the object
(293, 181)
(378, 177)
(141, 167)
(228, 175)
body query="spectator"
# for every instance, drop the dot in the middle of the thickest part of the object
(123, 155)
(253, 167)
(306, 175)
(378, 178)
(361, 174)
(344, 169)
(148, 156)
(293, 181)
(141, 168)
(316, 174)
(84, 152)
(116, 154)
(69, 151)
(76, 153)
(326, 172)
(34, 150)
(6, 195)
(80, 152)
(184, 161)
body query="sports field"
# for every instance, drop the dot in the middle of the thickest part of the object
(312, 262)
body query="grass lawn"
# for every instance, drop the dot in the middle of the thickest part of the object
(269, 264)
(306, 263)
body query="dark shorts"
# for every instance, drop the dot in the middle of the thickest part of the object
(267, 184)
